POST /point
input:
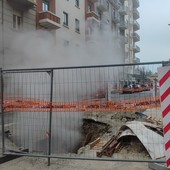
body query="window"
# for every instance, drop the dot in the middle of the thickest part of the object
(17, 22)
(77, 3)
(114, 13)
(45, 5)
(77, 25)
(89, 7)
(65, 19)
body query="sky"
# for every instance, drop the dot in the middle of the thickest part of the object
(154, 30)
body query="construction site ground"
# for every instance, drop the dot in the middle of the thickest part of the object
(28, 163)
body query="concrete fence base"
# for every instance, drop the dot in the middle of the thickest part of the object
(157, 166)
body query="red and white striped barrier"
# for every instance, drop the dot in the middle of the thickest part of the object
(164, 81)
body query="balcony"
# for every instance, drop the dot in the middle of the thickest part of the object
(121, 1)
(102, 5)
(123, 10)
(92, 16)
(115, 3)
(23, 3)
(136, 49)
(136, 60)
(115, 18)
(123, 25)
(136, 26)
(49, 20)
(93, 1)
(136, 37)
(135, 3)
(135, 14)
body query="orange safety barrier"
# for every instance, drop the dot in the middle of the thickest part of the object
(33, 105)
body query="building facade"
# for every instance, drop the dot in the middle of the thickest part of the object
(73, 22)
(131, 34)
(16, 16)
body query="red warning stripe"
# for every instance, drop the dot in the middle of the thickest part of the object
(165, 94)
(164, 78)
(167, 145)
(167, 128)
(166, 111)
(168, 162)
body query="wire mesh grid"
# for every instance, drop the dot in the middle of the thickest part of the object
(110, 112)
(26, 130)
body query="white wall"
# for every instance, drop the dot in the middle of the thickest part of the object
(73, 12)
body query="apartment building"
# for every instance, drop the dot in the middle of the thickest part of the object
(16, 16)
(131, 34)
(73, 22)
(78, 21)
(107, 16)
(64, 18)
(131, 31)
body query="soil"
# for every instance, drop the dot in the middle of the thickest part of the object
(26, 163)
(92, 129)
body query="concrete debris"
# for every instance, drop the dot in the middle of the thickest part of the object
(109, 148)
(140, 131)
(124, 129)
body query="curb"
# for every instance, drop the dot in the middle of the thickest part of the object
(157, 166)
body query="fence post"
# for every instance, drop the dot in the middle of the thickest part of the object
(50, 118)
(2, 109)
(164, 81)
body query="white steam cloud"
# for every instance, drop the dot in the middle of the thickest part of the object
(41, 49)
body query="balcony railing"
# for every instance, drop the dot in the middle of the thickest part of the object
(123, 10)
(123, 25)
(93, 1)
(122, 1)
(115, 18)
(23, 3)
(93, 16)
(137, 60)
(102, 5)
(114, 3)
(49, 20)
(136, 25)
(135, 3)
(136, 37)
(136, 49)
(135, 13)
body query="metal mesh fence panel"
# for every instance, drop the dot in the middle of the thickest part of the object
(94, 112)
(1, 111)
(25, 129)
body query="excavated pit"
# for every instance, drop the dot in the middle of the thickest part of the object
(91, 130)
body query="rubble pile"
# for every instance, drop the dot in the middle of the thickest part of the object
(125, 140)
